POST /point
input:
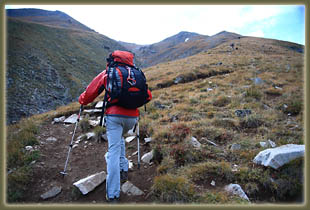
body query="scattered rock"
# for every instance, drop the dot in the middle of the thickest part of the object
(130, 189)
(130, 138)
(159, 105)
(130, 132)
(60, 119)
(72, 119)
(178, 80)
(236, 190)
(195, 142)
(90, 135)
(91, 182)
(99, 105)
(51, 139)
(277, 157)
(243, 112)
(210, 142)
(257, 81)
(149, 139)
(235, 147)
(92, 111)
(29, 148)
(94, 123)
(51, 193)
(130, 165)
(147, 157)
(269, 143)
(104, 136)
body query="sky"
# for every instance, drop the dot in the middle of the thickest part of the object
(148, 24)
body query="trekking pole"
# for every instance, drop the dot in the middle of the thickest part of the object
(70, 146)
(138, 136)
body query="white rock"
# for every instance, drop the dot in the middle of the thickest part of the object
(136, 152)
(89, 183)
(29, 148)
(213, 183)
(51, 139)
(195, 142)
(149, 139)
(130, 164)
(105, 137)
(60, 119)
(130, 138)
(99, 105)
(236, 190)
(271, 143)
(235, 147)
(130, 189)
(90, 135)
(74, 146)
(263, 144)
(211, 142)
(130, 132)
(92, 111)
(72, 119)
(51, 193)
(277, 157)
(147, 157)
(94, 123)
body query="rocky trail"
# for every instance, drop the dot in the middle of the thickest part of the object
(87, 158)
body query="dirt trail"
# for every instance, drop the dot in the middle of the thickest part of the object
(85, 160)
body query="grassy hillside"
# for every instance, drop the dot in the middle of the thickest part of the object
(45, 17)
(197, 97)
(212, 86)
(50, 66)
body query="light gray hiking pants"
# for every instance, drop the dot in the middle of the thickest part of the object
(116, 156)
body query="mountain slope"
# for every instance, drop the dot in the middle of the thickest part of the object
(49, 18)
(179, 46)
(50, 66)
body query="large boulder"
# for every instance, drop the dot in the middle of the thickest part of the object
(91, 182)
(277, 157)
(236, 189)
(130, 189)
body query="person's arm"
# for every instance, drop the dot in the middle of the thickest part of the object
(93, 89)
(150, 95)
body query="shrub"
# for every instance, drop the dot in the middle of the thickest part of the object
(206, 170)
(180, 130)
(157, 153)
(253, 92)
(84, 125)
(166, 165)
(294, 107)
(99, 131)
(221, 101)
(253, 121)
(179, 153)
(169, 188)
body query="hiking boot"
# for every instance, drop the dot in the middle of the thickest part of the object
(124, 176)
(114, 200)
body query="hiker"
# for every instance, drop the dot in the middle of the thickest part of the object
(119, 120)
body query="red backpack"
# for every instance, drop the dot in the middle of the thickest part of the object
(126, 84)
